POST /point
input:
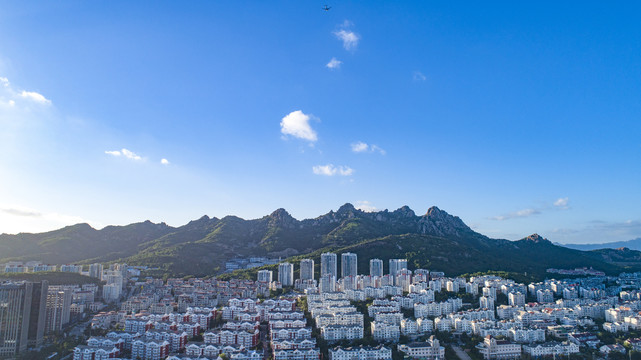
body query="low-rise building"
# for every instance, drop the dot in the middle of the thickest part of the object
(361, 353)
(491, 348)
(551, 348)
(430, 350)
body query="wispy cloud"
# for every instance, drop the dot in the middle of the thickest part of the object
(517, 214)
(296, 124)
(19, 217)
(348, 37)
(362, 147)
(562, 203)
(418, 76)
(331, 170)
(334, 63)
(21, 212)
(559, 204)
(164, 161)
(600, 231)
(366, 206)
(125, 153)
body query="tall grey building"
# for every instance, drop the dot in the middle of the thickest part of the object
(58, 308)
(286, 274)
(348, 264)
(327, 283)
(21, 316)
(376, 267)
(307, 269)
(95, 270)
(396, 265)
(265, 276)
(328, 264)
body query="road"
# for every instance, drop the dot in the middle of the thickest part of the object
(460, 353)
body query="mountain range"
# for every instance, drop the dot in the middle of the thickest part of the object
(634, 244)
(436, 240)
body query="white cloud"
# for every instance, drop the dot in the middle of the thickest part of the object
(334, 63)
(331, 170)
(296, 124)
(164, 161)
(366, 206)
(419, 76)
(126, 153)
(130, 155)
(34, 96)
(562, 203)
(361, 147)
(9, 97)
(349, 38)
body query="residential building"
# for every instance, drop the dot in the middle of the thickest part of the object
(22, 316)
(516, 299)
(551, 348)
(265, 276)
(307, 269)
(327, 283)
(150, 350)
(286, 274)
(544, 296)
(491, 348)
(385, 332)
(328, 264)
(58, 308)
(376, 267)
(429, 350)
(396, 265)
(349, 264)
(379, 352)
(95, 270)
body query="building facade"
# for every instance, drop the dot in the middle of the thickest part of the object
(328, 264)
(349, 265)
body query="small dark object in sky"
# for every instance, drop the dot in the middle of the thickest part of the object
(326, 8)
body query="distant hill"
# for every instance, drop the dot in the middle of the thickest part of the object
(435, 240)
(634, 244)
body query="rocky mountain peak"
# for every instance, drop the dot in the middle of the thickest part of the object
(203, 219)
(440, 223)
(404, 211)
(346, 209)
(536, 238)
(282, 218)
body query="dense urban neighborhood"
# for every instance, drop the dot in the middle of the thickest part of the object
(296, 312)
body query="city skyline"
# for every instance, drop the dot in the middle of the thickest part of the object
(516, 118)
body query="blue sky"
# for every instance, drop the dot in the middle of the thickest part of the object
(519, 118)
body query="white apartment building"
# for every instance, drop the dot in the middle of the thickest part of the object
(491, 348)
(379, 352)
(385, 332)
(429, 350)
(551, 349)
(342, 332)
